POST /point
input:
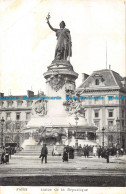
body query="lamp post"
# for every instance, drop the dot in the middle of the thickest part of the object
(103, 130)
(18, 139)
(118, 133)
(76, 121)
(2, 124)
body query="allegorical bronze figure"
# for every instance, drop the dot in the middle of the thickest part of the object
(63, 49)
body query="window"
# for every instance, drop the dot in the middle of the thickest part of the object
(7, 126)
(110, 123)
(8, 116)
(122, 123)
(91, 136)
(110, 99)
(9, 104)
(19, 103)
(123, 113)
(110, 113)
(97, 82)
(17, 125)
(123, 100)
(28, 115)
(29, 103)
(17, 116)
(110, 140)
(97, 100)
(1, 104)
(96, 114)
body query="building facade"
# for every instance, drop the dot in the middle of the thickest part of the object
(104, 104)
(16, 111)
(108, 110)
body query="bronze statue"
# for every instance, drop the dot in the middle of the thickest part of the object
(63, 48)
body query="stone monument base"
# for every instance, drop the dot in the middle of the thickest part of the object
(30, 142)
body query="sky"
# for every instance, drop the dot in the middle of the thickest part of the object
(27, 44)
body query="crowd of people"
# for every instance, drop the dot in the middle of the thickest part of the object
(5, 153)
(68, 152)
(113, 151)
(86, 151)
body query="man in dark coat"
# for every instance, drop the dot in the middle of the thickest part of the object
(2, 155)
(99, 151)
(71, 152)
(65, 154)
(44, 153)
(87, 151)
(107, 155)
(84, 150)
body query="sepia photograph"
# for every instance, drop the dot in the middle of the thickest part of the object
(62, 96)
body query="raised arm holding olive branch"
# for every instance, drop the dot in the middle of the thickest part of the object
(63, 49)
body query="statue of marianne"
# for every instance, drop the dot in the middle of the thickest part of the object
(63, 48)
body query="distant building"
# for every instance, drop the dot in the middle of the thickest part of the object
(104, 107)
(16, 111)
(108, 113)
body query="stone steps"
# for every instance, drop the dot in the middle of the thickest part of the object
(35, 150)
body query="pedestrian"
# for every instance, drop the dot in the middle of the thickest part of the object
(6, 157)
(107, 155)
(84, 150)
(117, 153)
(71, 152)
(103, 151)
(99, 152)
(10, 150)
(44, 153)
(2, 155)
(112, 151)
(94, 151)
(87, 151)
(121, 150)
(80, 150)
(65, 154)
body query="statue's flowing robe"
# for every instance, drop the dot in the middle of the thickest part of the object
(63, 47)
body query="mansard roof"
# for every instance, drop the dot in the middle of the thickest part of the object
(108, 79)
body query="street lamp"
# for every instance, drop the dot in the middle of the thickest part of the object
(76, 121)
(118, 134)
(103, 129)
(18, 139)
(2, 123)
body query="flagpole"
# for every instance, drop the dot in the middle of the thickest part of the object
(106, 54)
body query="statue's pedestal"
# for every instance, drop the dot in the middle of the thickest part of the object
(60, 81)
(30, 142)
(60, 78)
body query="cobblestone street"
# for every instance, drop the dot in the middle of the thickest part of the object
(25, 167)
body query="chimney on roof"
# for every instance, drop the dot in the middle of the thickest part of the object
(30, 93)
(124, 82)
(109, 67)
(84, 76)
